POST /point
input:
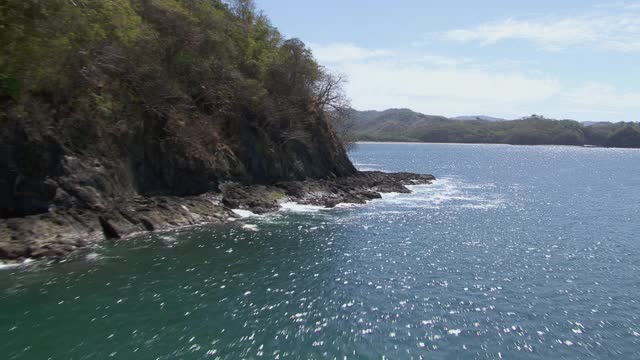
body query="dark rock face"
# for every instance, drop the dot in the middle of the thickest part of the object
(44, 166)
(67, 182)
(141, 118)
(61, 231)
(354, 189)
(357, 189)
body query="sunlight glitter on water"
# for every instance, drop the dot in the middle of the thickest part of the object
(506, 255)
(447, 190)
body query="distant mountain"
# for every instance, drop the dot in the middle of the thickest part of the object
(477, 117)
(392, 124)
(410, 126)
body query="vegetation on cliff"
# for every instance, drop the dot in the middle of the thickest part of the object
(101, 100)
(406, 125)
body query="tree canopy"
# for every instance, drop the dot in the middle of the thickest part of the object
(106, 55)
(406, 125)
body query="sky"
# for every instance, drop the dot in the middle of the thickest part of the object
(563, 59)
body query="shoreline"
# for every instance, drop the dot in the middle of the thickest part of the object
(492, 144)
(58, 233)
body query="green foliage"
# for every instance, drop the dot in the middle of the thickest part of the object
(9, 86)
(39, 38)
(104, 103)
(626, 136)
(166, 56)
(405, 125)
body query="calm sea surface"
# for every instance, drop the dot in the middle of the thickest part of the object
(513, 253)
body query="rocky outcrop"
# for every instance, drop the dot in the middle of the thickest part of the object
(167, 98)
(62, 231)
(65, 184)
(159, 115)
(357, 189)
(59, 232)
(48, 163)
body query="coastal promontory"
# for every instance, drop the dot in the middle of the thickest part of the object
(125, 116)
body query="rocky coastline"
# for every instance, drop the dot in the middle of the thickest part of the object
(57, 233)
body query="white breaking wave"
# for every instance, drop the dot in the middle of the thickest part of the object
(244, 213)
(368, 167)
(92, 256)
(440, 192)
(295, 207)
(7, 266)
(486, 206)
(347, 205)
(250, 227)
(301, 208)
(447, 190)
(4, 266)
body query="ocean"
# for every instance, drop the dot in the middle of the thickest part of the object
(513, 252)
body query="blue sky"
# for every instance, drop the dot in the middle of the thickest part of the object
(561, 59)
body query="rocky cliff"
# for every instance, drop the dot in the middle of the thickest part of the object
(135, 115)
(146, 99)
(70, 162)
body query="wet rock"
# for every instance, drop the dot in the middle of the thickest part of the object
(14, 251)
(109, 230)
(62, 231)
(259, 199)
(148, 225)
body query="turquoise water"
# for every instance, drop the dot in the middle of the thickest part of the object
(515, 252)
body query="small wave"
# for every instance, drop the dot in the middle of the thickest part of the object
(347, 205)
(13, 265)
(488, 206)
(301, 208)
(359, 165)
(250, 227)
(445, 191)
(295, 207)
(244, 213)
(92, 256)
(365, 168)
(169, 240)
(4, 266)
(369, 167)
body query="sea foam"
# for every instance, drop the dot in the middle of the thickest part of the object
(244, 213)
(443, 191)
(13, 265)
(295, 207)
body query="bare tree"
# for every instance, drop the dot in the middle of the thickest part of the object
(332, 100)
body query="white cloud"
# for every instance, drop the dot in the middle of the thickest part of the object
(550, 34)
(380, 79)
(469, 84)
(626, 5)
(433, 84)
(618, 31)
(339, 52)
(603, 96)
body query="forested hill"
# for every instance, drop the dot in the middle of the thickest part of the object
(102, 100)
(407, 125)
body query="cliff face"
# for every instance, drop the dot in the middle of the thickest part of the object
(112, 100)
(52, 163)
